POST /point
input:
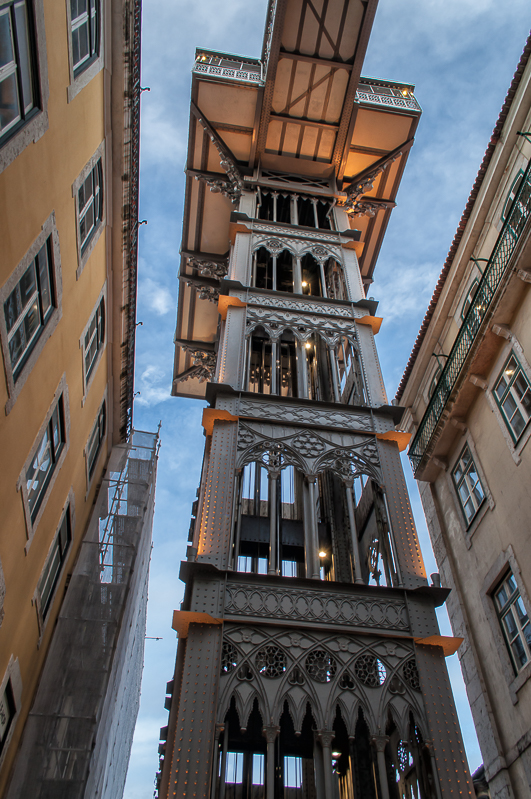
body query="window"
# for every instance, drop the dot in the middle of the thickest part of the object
(29, 307)
(90, 205)
(514, 621)
(85, 29)
(520, 209)
(513, 396)
(54, 564)
(292, 772)
(234, 768)
(469, 299)
(468, 485)
(285, 208)
(7, 712)
(94, 339)
(17, 68)
(258, 769)
(96, 439)
(44, 462)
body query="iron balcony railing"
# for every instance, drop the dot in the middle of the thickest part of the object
(495, 269)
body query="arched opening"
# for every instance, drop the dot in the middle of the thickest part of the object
(378, 560)
(294, 209)
(295, 772)
(336, 288)
(272, 365)
(269, 529)
(311, 275)
(273, 271)
(318, 372)
(408, 764)
(364, 767)
(241, 757)
(259, 362)
(351, 389)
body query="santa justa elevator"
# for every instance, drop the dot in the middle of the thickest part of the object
(309, 662)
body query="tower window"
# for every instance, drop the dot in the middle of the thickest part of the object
(292, 772)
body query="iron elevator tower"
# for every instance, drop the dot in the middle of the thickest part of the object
(310, 662)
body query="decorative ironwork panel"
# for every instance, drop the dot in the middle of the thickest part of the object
(319, 605)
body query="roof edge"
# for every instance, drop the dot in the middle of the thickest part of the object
(496, 133)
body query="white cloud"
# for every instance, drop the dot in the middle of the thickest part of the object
(158, 298)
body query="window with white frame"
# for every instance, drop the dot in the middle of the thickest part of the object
(94, 340)
(44, 462)
(90, 205)
(28, 308)
(18, 85)
(514, 621)
(52, 569)
(7, 712)
(468, 485)
(96, 439)
(85, 33)
(512, 392)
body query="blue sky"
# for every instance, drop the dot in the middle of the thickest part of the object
(461, 56)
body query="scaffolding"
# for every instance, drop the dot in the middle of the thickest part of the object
(78, 735)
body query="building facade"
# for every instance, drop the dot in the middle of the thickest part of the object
(467, 390)
(69, 138)
(309, 661)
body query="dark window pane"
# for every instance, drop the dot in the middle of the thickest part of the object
(32, 321)
(12, 308)
(17, 345)
(6, 42)
(44, 280)
(9, 104)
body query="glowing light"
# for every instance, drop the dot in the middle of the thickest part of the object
(405, 92)
(509, 372)
(308, 345)
(322, 554)
(336, 754)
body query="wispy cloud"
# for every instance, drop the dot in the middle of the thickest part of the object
(158, 298)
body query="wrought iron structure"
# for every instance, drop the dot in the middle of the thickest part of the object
(463, 349)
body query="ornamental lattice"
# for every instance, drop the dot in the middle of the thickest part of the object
(321, 666)
(411, 674)
(271, 661)
(370, 671)
(229, 658)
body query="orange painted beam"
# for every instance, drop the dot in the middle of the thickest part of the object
(402, 439)
(211, 415)
(372, 321)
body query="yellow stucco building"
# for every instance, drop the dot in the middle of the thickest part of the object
(69, 137)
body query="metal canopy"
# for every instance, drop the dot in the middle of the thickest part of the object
(303, 111)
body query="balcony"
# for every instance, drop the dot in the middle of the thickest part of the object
(387, 94)
(468, 336)
(209, 63)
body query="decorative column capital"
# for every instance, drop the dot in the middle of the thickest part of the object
(270, 732)
(220, 727)
(380, 742)
(326, 737)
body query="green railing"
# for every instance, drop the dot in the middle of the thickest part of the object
(494, 271)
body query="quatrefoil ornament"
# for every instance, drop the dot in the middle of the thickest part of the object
(309, 445)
